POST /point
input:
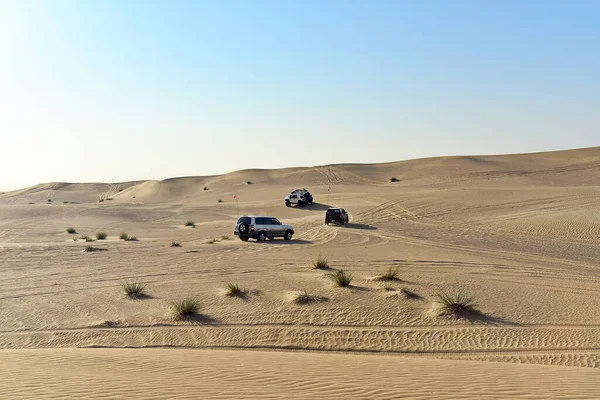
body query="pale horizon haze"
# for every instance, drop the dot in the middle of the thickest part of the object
(113, 91)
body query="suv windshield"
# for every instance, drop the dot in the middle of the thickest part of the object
(333, 212)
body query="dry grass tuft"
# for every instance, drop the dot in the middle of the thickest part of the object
(134, 290)
(233, 289)
(305, 298)
(390, 275)
(190, 223)
(185, 308)
(340, 278)
(321, 262)
(101, 236)
(455, 304)
(71, 231)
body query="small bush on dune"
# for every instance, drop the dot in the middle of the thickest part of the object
(220, 200)
(341, 278)
(392, 180)
(133, 289)
(65, 202)
(304, 298)
(390, 275)
(190, 223)
(71, 230)
(248, 182)
(205, 188)
(233, 289)
(320, 262)
(86, 238)
(185, 308)
(49, 200)
(101, 201)
(127, 237)
(175, 243)
(455, 304)
(101, 235)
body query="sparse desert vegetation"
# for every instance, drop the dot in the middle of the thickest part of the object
(304, 297)
(71, 231)
(392, 180)
(454, 304)
(127, 237)
(233, 289)
(134, 289)
(190, 223)
(205, 188)
(249, 182)
(86, 238)
(321, 262)
(340, 278)
(391, 274)
(185, 308)
(101, 236)
(175, 243)
(89, 249)
(220, 201)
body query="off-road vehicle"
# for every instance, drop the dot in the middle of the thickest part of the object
(336, 215)
(261, 228)
(300, 197)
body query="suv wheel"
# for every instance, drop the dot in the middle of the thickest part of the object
(262, 236)
(243, 228)
(287, 235)
(300, 203)
(287, 203)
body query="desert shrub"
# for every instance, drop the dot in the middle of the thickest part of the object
(392, 180)
(249, 182)
(134, 289)
(101, 201)
(340, 278)
(109, 198)
(321, 262)
(390, 275)
(220, 201)
(92, 248)
(233, 289)
(49, 200)
(190, 223)
(455, 304)
(86, 238)
(124, 236)
(71, 230)
(101, 235)
(304, 297)
(185, 308)
(175, 243)
(65, 202)
(205, 188)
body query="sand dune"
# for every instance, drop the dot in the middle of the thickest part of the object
(520, 233)
(213, 374)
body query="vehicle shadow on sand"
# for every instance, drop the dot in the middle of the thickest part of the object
(288, 242)
(359, 226)
(314, 207)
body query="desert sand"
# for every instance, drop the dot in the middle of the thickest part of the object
(519, 233)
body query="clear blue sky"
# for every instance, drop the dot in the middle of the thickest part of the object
(126, 90)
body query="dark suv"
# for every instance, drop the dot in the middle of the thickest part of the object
(336, 215)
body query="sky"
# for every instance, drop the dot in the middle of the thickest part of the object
(113, 91)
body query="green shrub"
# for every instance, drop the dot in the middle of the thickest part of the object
(101, 235)
(321, 262)
(134, 289)
(233, 289)
(185, 308)
(190, 223)
(455, 304)
(71, 230)
(340, 278)
(390, 275)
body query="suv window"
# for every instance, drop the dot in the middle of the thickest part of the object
(275, 221)
(243, 220)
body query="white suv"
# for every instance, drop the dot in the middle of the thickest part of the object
(261, 228)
